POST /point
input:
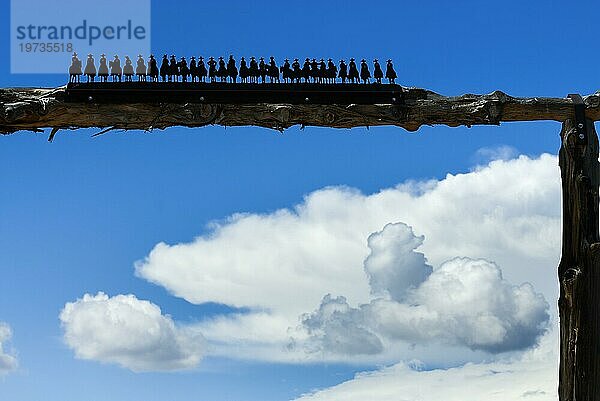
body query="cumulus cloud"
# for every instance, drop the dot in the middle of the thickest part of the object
(130, 332)
(532, 376)
(464, 302)
(8, 361)
(393, 266)
(282, 264)
(338, 328)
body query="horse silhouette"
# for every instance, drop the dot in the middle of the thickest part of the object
(115, 69)
(273, 70)
(390, 73)
(253, 71)
(377, 72)
(322, 71)
(286, 71)
(193, 69)
(152, 69)
(201, 69)
(365, 75)
(222, 71)
(140, 68)
(75, 71)
(331, 73)
(343, 74)
(128, 70)
(103, 69)
(232, 71)
(352, 71)
(90, 68)
(164, 68)
(296, 71)
(184, 71)
(306, 70)
(212, 69)
(244, 71)
(173, 69)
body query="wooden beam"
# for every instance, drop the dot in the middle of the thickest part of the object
(34, 109)
(579, 268)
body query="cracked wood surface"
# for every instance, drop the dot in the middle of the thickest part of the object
(33, 109)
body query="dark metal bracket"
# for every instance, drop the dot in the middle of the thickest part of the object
(234, 93)
(580, 120)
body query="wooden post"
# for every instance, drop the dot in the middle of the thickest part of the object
(579, 268)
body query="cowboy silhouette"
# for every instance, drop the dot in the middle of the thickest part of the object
(343, 74)
(140, 68)
(232, 71)
(390, 73)
(365, 75)
(115, 69)
(352, 71)
(244, 71)
(90, 68)
(103, 69)
(201, 69)
(377, 72)
(164, 68)
(128, 70)
(75, 69)
(153, 69)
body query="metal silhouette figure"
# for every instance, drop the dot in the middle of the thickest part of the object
(222, 71)
(262, 70)
(296, 71)
(353, 71)
(184, 70)
(140, 68)
(365, 74)
(306, 70)
(253, 71)
(75, 71)
(212, 69)
(244, 70)
(286, 71)
(331, 73)
(103, 69)
(322, 71)
(314, 70)
(202, 71)
(173, 69)
(164, 68)
(115, 69)
(343, 74)
(377, 72)
(273, 70)
(193, 69)
(152, 69)
(90, 68)
(128, 70)
(232, 71)
(390, 73)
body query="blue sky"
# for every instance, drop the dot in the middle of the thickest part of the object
(77, 213)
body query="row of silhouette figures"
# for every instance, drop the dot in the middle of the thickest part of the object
(252, 71)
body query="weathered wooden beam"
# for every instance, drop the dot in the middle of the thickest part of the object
(579, 268)
(34, 109)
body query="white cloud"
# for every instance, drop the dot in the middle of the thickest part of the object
(532, 376)
(8, 360)
(464, 302)
(129, 332)
(393, 266)
(281, 264)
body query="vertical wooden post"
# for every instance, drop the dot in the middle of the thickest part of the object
(579, 268)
